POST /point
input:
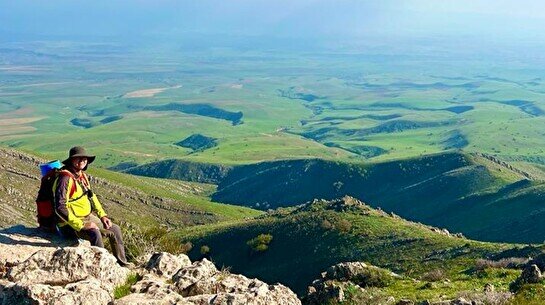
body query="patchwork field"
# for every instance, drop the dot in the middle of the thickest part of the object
(129, 106)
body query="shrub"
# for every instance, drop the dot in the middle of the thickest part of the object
(373, 277)
(434, 275)
(357, 296)
(529, 294)
(260, 243)
(205, 250)
(326, 225)
(344, 226)
(510, 262)
(125, 289)
(139, 242)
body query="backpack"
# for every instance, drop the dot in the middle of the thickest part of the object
(45, 201)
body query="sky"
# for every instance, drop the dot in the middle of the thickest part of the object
(498, 20)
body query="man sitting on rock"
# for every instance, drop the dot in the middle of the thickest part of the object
(75, 204)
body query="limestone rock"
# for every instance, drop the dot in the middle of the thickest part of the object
(40, 273)
(240, 288)
(188, 276)
(221, 299)
(18, 243)
(334, 281)
(359, 273)
(345, 271)
(279, 298)
(152, 285)
(69, 265)
(323, 292)
(84, 292)
(153, 290)
(150, 299)
(461, 301)
(202, 283)
(166, 264)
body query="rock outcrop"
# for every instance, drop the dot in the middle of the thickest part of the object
(333, 283)
(531, 274)
(199, 283)
(44, 270)
(357, 283)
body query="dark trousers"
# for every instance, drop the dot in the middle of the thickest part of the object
(95, 236)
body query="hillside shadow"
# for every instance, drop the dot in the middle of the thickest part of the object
(32, 236)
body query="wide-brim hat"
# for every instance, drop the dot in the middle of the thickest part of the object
(76, 152)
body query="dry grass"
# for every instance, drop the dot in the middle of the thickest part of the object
(511, 262)
(487, 297)
(147, 92)
(19, 121)
(12, 126)
(434, 275)
(10, 130)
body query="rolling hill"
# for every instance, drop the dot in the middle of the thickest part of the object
(304, 241)
(476, 194)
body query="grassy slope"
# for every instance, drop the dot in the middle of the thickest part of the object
(192, 193)
(476, 194)
(307, 241)
(146, 202)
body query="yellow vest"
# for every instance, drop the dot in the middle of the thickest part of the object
(79, 204)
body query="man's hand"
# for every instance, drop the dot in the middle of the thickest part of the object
(106, 222)
(89, 226)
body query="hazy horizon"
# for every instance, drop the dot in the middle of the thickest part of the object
(313, 22)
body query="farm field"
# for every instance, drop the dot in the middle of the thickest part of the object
(237, 107)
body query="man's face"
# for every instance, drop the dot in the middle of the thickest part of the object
(79, 163)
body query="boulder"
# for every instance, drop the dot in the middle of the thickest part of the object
(166, 264)
(345, 271)
(84, 292)
(152, 299)
(461, 301)
(202, 283)
(186, 277)
(238, 287)
(531, 274)
(282, 296)
(151, 284)
(69, 265)
(324, 292)
(222, 299)
(359, 273)
(36, 271)
(18, 243)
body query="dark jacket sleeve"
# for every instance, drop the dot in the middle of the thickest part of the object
(61, 197)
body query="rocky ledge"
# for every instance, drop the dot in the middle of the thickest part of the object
(44, 270)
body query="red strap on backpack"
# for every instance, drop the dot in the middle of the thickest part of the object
(69, 174)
